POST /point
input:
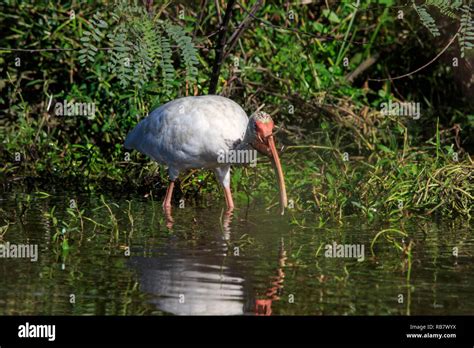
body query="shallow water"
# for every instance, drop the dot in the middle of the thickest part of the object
(206, 262)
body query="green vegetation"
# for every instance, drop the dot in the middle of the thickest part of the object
(342, 156)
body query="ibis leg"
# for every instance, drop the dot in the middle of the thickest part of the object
(169, 196)
(228, 198)
(169, 218)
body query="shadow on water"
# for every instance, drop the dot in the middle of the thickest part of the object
(253, 262)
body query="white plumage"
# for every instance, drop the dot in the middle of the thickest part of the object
(190, 132)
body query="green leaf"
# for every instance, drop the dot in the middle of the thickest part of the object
(384, 148)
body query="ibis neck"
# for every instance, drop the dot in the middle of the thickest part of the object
(248, 139)
(244, 145)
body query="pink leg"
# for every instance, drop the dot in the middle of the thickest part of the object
(169, 195)
(228, 198)
(169, 218)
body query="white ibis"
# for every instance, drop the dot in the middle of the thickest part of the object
(192, 132)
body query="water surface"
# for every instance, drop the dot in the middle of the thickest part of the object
(206, 262)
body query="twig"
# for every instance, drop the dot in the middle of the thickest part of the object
(422, 67)
(242, 26)
(48, 49)
(201, 15)
(35, 50)
(361, 68)
(218, 10)
(149, 7)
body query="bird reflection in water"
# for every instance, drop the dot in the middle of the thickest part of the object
(263, 306)
(190, 281)
(203, 281)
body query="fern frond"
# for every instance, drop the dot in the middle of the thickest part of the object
(188, 51)
(466, 34)
(91, 39)
(426, 19)
(120, 61)
(446, 7)
(145, 50)
(140, 46)
(151, 41)
(166, 60)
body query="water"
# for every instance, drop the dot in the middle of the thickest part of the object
(206, 262)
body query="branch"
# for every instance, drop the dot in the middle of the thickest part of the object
(221, 41)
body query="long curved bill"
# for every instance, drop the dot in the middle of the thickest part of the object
(279, 174)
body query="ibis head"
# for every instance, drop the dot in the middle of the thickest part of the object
(261, 127)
